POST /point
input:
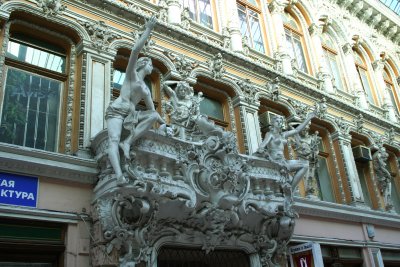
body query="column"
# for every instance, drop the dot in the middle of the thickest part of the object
(96, 90)
(353, 75)
(174, 11)
(323, 72)
(250, 123)
(356, 194)
(233, 26)
(276, 8)
(387, 104)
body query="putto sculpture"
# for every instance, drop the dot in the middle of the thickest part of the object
(122, 114)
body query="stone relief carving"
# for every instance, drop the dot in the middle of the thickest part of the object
(185, 19)
(249, 90)
(245, 46)
(216, 66)
(343, 126)
(149, 44)
(100, 34)
(163, 11)
(273, 89)
(383, 175)
(390, 134)
(359, 123)
(226, 38)
(182, 64)
(51, 7)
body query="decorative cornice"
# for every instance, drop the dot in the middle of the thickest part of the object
(322, 209)
(47, 164)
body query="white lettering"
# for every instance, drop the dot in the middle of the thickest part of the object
(303, 262)
(30, 196)
(7, 183)
(4, 193)
(18, 194)
(24, 195)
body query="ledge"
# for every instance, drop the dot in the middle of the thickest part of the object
(322, 209)
(41, 163)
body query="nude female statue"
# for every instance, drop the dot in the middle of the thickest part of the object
(275, 141)
(122, 112)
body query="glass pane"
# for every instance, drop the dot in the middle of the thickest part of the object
(30, 110)
(243, 20)
(256, 32)
(298, 51)
(118, 79)
(363, 182)
(335, 71)
(191, 4)
(35, 56)
(324, 180)
(365, 84)
(212, 108)
(395, 197)
(392, 98)
(289, 44)
(205, 13)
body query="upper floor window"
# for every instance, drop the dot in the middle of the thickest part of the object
(391, 90)
(294, 40)
(333, 61)
(363, 75)
(33, 91)
(250, 26)
(200, 11)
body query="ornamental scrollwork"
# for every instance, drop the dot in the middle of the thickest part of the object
(183, 64)
(100, 34)
(216, 66)
(51, 7)
(249, 90)
(273, 89)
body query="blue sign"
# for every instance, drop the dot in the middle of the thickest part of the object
(18, 190)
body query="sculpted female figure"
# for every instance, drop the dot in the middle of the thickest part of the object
(275, 141)
(122, 112)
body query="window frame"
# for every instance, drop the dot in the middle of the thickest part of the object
(62, 78)
(291, 30)
(391, 91)
(330, 51)
(249, 6)
(197, 13)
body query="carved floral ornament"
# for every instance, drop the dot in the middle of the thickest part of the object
(199, 193)
(249, 90)
(51, 7)
(216, 66)
(100, 34)
(183, 64)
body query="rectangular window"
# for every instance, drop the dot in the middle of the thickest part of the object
(295, 49)
(35, 56)
(30, 113)
(334, 69)
(250, 27)
(211, 108)
(200, 11)
(365, 84)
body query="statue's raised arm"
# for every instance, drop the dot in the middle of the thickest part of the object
(138, 46)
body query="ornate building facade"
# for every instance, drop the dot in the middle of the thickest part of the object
(200, 191)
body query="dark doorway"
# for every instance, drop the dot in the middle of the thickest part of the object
(186, 257)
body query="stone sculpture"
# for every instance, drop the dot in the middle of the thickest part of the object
(121, 113)
(184, 108)
(273, 144)
(383, 175)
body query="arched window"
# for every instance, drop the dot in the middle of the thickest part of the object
(250, 26)
(364, 77)
(391, 90)
(34, 91)
(294, 41)
(333, 61)
(200, 11)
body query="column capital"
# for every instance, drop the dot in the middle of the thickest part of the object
(347, 48)
(315, 29)
(276, 7)
(378, 64)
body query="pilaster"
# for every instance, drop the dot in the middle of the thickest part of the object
(233, 26)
